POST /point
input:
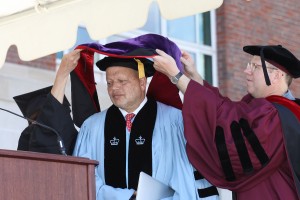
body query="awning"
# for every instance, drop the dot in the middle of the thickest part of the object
(42, 27)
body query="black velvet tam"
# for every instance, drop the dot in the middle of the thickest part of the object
(278, 56)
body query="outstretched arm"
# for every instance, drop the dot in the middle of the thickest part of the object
(190, 69)
(165, 64)
(68, 64)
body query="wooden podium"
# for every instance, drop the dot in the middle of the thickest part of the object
(40, 176)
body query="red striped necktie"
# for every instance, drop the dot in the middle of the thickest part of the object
(128, 118)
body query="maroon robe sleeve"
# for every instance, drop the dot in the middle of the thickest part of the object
(205, 109)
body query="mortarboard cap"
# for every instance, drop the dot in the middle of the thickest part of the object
(278, 56)
(32, 102)
(143, 65)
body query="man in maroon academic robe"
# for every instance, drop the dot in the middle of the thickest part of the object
(250, 146)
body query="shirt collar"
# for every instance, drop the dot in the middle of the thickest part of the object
(289, 95)
(124, 113)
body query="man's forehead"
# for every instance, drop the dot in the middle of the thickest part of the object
(117, 68)
(257, 60)
(120, 70)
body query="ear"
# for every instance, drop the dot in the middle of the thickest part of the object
(143, 83)
(278, 76)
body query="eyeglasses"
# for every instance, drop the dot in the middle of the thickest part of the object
(253, 66)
